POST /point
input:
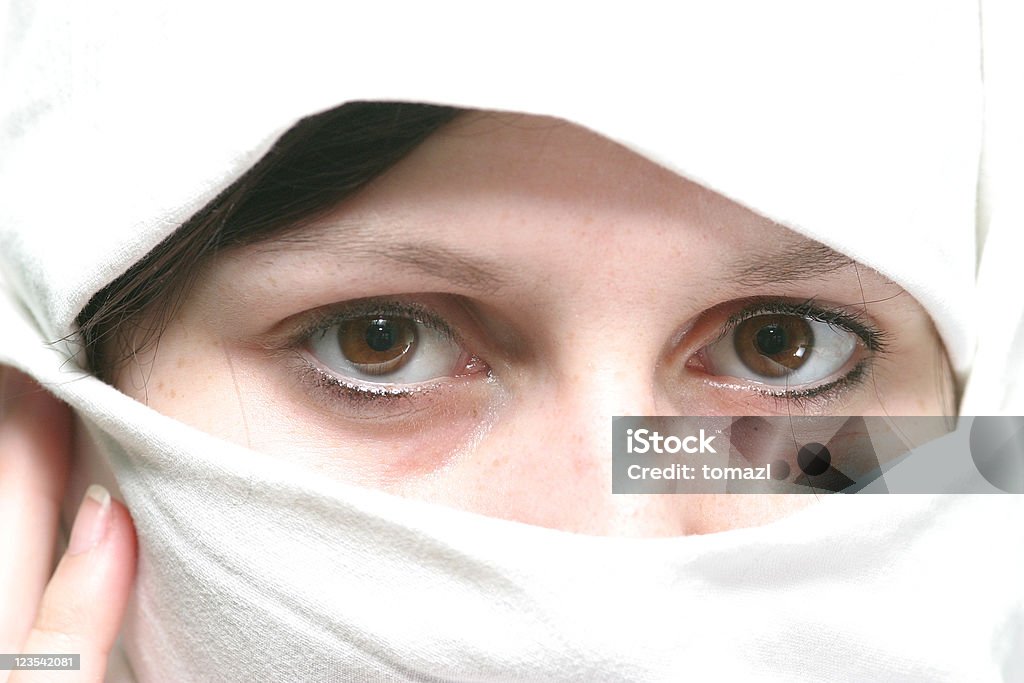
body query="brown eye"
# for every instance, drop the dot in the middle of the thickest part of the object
(388, 347)
(774, 345)
(376, 345)
(782, 349)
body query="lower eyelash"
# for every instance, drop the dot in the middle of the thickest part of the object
(355, 393)
(821, 396)
(875, 341)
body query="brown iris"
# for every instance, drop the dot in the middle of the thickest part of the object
(377, 345)
(774, 345)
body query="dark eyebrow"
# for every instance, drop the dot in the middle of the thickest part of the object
(443, 262)
(794, 261)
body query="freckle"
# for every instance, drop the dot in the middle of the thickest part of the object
(160, 385)
(272, 281)
(174, 394)
(181, 362)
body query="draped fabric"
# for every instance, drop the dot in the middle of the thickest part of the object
(889, 131)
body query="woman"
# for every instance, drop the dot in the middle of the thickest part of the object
(458, 322)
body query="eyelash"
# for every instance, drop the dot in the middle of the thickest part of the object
(820, 396)
(856, 323)
(385, 308)
(354, 392)
(875, 341)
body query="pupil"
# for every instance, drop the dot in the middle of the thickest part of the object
(380, 335)
(771, 340)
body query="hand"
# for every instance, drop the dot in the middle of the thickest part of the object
(79, 608)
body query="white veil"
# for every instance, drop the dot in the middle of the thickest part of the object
(861, 125)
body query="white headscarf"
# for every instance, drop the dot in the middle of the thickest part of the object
(861, 126)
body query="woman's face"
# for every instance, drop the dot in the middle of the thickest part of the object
(464, 329)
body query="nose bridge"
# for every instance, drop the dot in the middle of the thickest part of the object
(590, 400)
(623, 392)
(566, 461)
(599, 358)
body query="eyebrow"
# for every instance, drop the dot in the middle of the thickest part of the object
(443, 262)
(796, 261)
(446, 263)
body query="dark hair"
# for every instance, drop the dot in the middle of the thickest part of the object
(317, 163)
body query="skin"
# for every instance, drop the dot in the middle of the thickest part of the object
(588, 283)
(587, 279)
(52, 608)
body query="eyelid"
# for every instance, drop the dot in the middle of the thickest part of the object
(356, 391)
(325, 319)
(339, 396)
(709, 328)
(294, 331)
(874, 339)
(824, 394)
(387, 398)
(374, 404)
(696, 334)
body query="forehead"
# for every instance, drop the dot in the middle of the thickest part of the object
(540, 221)
(550, 162)
(490, 190)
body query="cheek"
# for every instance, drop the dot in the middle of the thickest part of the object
(413, 445)
(532, 460)
(543, 462)
(251, 398)
(537, 453)
(188, 377)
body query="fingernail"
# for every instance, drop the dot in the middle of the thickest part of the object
(92, 521)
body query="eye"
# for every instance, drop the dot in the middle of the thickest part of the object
(388, 347)
(799, 347)
(375, 345)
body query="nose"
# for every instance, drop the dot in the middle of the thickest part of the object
(549, 462)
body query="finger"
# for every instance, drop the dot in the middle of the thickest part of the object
(84, 602)
(34, 447)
